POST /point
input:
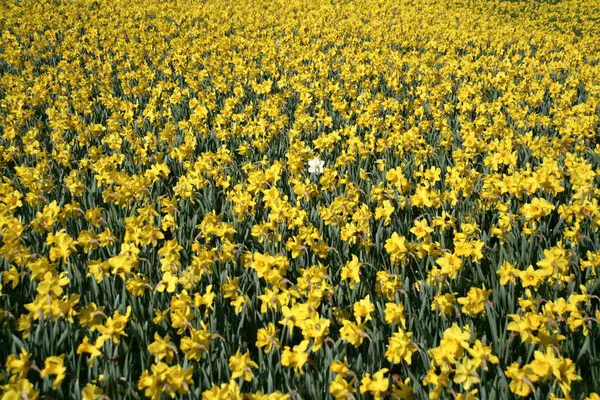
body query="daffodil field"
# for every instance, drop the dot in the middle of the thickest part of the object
(324, 199)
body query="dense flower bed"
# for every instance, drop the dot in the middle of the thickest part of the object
(299, 199)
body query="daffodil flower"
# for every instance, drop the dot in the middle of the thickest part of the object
(315, 166)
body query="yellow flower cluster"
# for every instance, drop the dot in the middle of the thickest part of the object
(299, 199)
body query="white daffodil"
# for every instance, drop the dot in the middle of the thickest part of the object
(315, 166)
